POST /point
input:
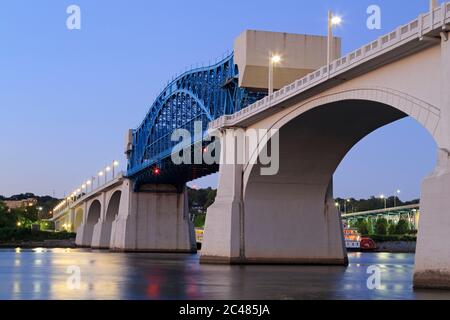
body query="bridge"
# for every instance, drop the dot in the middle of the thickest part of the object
(410, 212)
(403, 73)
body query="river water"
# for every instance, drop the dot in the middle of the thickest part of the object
(86, 274)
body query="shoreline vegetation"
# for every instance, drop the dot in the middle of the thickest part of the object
(27, 238)
(29, 227)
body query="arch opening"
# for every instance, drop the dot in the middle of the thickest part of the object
(93, 217)
(78, 218)
(295, 209)
(111, 213)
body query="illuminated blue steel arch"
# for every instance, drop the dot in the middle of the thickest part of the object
(201, 94)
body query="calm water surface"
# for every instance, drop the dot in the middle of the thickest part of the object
(42, 274)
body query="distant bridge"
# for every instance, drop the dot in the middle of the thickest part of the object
(378, 212)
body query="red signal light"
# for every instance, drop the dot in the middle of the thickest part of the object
(156, 171)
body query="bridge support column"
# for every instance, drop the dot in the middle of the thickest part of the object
(101, 236)
(283, 224)
(155, 219)
(222, 241)
(432, 265)
(84, 231)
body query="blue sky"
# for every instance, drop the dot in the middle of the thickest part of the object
(68, 97)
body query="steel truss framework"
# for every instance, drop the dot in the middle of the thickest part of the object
(201, 94)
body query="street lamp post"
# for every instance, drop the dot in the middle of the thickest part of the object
(274, 59)
(345, 205)
(100, 174)
(433, 4)
(338, 205)
(332, 21)
(114, 165)
(107, 169)
(397, 194)
(382, 197)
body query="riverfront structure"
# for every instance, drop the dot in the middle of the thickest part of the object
(289, 217)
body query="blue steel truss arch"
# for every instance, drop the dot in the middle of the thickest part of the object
(201, 94)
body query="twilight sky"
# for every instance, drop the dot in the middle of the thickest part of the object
(67, 97)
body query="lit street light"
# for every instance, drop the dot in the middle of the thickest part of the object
(382, 197)
(115, 164)
(345, 205)
(332, 21)
(107, 169)
(395, 197)
(338, 205)
(275, 59)
(100, 174)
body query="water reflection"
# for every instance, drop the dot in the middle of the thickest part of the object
(52, 274)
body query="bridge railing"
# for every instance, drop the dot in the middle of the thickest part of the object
(104, 177)
(418, 28)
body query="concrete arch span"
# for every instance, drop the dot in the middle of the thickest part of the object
(103, 230)
(86, 230)
(290, 217)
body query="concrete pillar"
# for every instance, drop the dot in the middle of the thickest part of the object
(101, 236)
(223, 237)
(101, 231)
(432, 265)
(287, 218)
(155, 219)
(83, 239)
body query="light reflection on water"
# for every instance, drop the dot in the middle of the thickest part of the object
(42, 274)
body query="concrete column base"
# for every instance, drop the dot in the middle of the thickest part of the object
(222, 241)
(84, 235)
(101, 237)
(432, 265)
(156, 219)
(289, 226)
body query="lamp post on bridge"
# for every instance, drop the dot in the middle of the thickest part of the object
(274, 59)
(397, 194)
(114, 165)
(382, 197)
(332, 21)
(100, 174)
(345, 205)
(107, 169)
(338, 205)
(433, 4)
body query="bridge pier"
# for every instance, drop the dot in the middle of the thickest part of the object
(432, 265)
(84, 231)
(155, 219)
(101, 237)
(277, 225)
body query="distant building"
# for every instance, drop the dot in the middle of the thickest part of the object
(19, 204)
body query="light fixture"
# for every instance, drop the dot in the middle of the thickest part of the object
(336, 20)
(276, 59)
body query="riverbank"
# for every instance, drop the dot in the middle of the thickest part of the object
(48, 244)
(396, 246)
